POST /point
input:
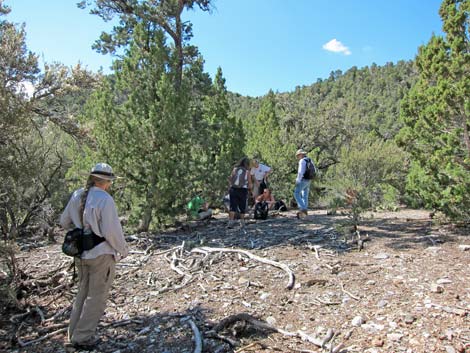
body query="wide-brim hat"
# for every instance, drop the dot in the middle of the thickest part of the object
(300, 151)
(103, 171)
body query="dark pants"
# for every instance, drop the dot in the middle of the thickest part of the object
(238, 198)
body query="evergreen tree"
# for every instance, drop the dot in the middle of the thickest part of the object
(142, 126)
(223, 140)
(35, 108)
(436, 113)
(267, 141)
(166, 14)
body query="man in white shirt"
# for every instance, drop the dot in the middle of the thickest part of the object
(259, 173)
(302, 185)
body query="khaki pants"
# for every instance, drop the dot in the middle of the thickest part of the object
(95, 279)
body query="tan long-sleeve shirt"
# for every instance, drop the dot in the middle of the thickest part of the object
(101, 216)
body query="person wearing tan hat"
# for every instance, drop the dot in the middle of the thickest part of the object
(93, 209)
(302, 185)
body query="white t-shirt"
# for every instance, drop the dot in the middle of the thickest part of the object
(301, 170)
(260, 172)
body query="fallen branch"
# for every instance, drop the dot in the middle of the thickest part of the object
(325, 302)
(55, 289)
(40, 313)
(59, 313)
(17, 317)
(348, 293)
(28, 343)
(174, 264)
(215, 335)
(197, 335)
(284, 267)
(317, 253)
(122, 322)
(251, 345)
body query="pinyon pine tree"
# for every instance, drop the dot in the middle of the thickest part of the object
(436, 113)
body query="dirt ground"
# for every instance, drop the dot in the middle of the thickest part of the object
(406, 290)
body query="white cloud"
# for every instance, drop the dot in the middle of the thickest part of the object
(336, 47)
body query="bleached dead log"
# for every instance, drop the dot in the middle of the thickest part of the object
(282, 266)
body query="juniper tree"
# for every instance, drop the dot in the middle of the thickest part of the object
(436, 113)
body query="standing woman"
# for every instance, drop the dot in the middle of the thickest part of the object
(240, 184)
(94, 209)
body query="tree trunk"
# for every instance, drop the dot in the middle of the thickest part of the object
(144, 223)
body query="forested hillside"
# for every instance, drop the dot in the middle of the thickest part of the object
(334, 118)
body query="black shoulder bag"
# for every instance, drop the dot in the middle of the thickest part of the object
(78, 240)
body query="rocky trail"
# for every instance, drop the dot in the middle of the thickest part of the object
(280, 285)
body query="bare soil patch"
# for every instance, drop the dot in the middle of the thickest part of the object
(407, 290)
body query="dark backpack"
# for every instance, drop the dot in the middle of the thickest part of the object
(239, 178)
(261, 210)
(310, 169)
(280, 206)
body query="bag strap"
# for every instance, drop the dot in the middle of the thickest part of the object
(82, 214)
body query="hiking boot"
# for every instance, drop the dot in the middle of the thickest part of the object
(88, 345)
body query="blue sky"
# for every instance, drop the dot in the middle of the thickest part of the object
(259, 44)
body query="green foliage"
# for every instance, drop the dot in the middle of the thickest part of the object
(142, 128)
(32, 161)
(324, 119)
(158, 15)
(436, 115)
(219, 143)
(268, 142)
(365, 176)
(167, 142)
(390, 199)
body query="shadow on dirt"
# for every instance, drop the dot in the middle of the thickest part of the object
(164, 332)
(402, 232)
